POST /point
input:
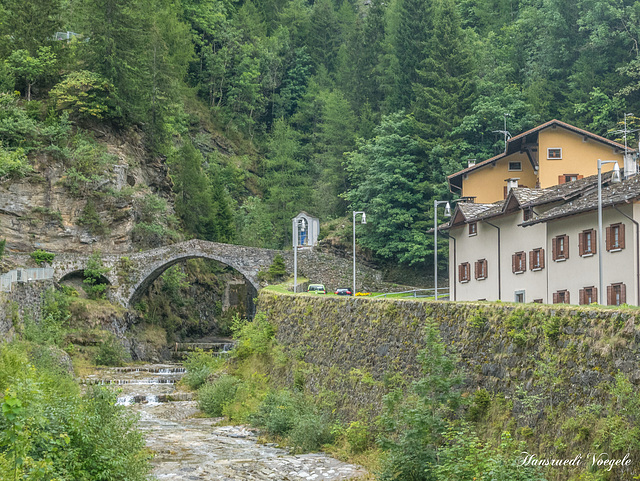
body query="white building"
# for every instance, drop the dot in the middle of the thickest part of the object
(541, 245)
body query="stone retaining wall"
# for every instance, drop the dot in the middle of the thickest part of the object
(25, 298)
(352, 347)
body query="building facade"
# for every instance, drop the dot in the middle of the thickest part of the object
(552, 153)
(541, 245)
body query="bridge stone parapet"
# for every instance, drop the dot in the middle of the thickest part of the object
(130, 275)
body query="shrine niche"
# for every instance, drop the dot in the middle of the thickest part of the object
(306, 229)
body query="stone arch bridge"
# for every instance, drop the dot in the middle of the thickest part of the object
(130, 275)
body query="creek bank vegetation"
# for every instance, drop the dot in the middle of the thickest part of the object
(426, 431)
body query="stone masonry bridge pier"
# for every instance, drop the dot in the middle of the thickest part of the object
(129, 275)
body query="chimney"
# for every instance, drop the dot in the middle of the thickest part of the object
(512, 183)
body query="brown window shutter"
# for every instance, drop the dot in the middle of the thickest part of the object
(581, 243)
(565, 251)
(554, 248)
(608, 239)
(579, 177)
(595, 297)
(485, 269)
(594, 247)
(505, 192)
(581, 297)
(621, 236)
(561, 179)
(542, 258)
(609, 295)
(513, 263)
(460, 273)
(555, 297)
(477, 269)
(567, 297)
(623, 294)
(531, 263)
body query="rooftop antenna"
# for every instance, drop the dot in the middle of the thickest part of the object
(626, 131)
(505, 132)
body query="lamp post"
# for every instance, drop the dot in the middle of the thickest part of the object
(363, 221)
(447, 213)
(614, 179)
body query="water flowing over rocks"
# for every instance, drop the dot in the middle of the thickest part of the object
(191, 448)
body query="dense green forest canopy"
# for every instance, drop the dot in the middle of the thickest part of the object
(330, 104)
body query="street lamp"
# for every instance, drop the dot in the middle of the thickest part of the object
(363, 221)
(447, 213)
(615, 178)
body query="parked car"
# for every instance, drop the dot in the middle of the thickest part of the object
(344, 291)
(317, 288)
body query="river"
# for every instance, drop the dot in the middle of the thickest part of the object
(186, 447)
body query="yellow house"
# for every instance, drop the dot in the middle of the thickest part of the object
(552, 153)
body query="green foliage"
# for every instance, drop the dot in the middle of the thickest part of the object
(552, 326)
(94, 280)
(413, 424)
(53, 326)
(31, 68)
(464, 456)
(214, 396)
(200, 365)
(174, 279)
(479, 405)
(358, 436)
(3, 243)
(478, 320)
(50, 430)
(154, 226)
(111, 352)
(13, 163)
(42, 257)
(91, 219)
(86, 96)
(253, 337)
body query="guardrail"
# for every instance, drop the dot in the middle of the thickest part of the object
(443, 293)
(24, 275)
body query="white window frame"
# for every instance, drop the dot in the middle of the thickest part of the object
(515, 162)
(549, 149)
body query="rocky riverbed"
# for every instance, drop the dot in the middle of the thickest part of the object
(194, 448)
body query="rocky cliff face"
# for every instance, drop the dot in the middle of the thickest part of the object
(42, 211)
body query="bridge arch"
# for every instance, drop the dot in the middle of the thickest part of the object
(155, 270)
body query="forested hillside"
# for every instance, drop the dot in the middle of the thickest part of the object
(263, 108)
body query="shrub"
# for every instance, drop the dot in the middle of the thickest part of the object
(42, 257)
(253, 337)
(481, 401)
(91, 219)
(111, 352)
(277, 413)
(478, 320)
(94, 277)
(277, 269)
(214, 396)
(3, 243)
(357, 436)
(309, 432)
(200, 365)
(13, 163)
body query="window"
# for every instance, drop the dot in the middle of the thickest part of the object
(537, 301)
(555, 153)
(527, 214)
(560, 248)
(564, 178)
(536, 259)
(519, 262)
(587, 243)
(615, 237)
(561, 297)
(616, 294)
(473, 228)
(519, 296)
(464, 272)
(588, 295)
(515, 166)
(481, 269)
